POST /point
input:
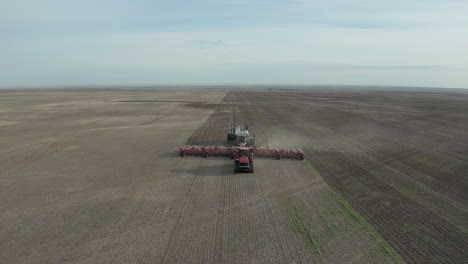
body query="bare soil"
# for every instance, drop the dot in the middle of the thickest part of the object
(93, 176)
(400, 159)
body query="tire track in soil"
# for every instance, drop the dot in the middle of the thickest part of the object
(218, 240)
(211, 132)
(175, 229)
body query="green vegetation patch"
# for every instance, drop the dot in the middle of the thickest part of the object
(304, 228)
(340, 229)
(334, 229)
(310, 166)
(386, 248)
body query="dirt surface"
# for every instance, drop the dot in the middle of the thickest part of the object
(94, 177)
(400, 159)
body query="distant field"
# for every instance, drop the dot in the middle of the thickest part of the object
(93, 176)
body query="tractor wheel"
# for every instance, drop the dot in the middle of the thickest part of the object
(301, 157)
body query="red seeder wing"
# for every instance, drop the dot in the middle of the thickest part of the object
(221, 151)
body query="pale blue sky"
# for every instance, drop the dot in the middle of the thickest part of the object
(352, 42)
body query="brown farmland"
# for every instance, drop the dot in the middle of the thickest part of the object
(93, 176)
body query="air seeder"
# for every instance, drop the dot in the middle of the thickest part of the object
(242, 149)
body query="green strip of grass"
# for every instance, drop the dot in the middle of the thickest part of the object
(310, 166)
(387, 248)
(302, 227)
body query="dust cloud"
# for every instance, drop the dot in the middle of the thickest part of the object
(285, 140)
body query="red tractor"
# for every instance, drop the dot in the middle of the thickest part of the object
(243, 160)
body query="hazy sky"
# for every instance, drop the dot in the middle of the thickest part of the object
(370, 42)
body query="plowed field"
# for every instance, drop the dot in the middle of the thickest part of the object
(93, 176)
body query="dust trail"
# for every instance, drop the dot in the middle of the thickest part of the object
(284, 139)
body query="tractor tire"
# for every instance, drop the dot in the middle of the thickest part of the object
(236, 168)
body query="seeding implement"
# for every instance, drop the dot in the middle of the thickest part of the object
(221, 151)
(242, 149)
